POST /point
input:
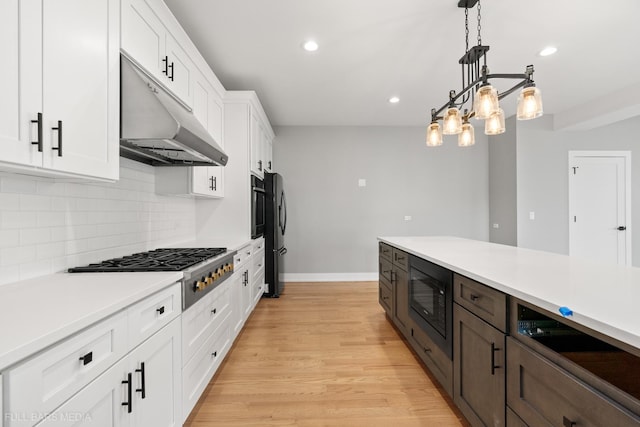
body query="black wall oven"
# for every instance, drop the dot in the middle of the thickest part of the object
(431, 301)
(258, 219)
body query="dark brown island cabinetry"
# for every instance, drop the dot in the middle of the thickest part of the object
(479, 331)
(394, 284)
(515, 364)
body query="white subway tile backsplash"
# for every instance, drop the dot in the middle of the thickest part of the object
(9, 238)
(17, 184)
(48, 226)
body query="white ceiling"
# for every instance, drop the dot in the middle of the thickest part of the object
(371, 50)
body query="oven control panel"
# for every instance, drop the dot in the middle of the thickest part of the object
(213, 277)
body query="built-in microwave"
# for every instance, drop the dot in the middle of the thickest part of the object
(258, 217)
(431, 301)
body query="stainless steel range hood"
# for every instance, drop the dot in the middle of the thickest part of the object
(155, 128)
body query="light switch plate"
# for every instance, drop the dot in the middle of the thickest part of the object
(532, 215)
(362, 182)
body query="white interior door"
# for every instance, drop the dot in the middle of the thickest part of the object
(599, 206)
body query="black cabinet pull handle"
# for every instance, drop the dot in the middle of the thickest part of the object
(171, 76)
(474, 297)
(214, 354)
(493, 358)
(128, 382)
(160, 310)
(259, 165)
(142, 389)
(166, 65)
(621, 228)
(214, 183)
(269, 164)
(87, 358)
(426, 349)
(214, 311)
(39, 141)
(59, 147)
(393, 276)
(566, 422)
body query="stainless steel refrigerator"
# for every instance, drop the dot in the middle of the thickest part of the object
(275, 227)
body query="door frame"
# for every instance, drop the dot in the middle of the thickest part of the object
(626, 155)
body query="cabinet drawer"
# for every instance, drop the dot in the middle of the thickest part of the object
(384, 297)
(483, 301)
(154, 312)
(385, 269)
(401, 259)
(542, 393)
(202, 319)
(258, 263)
(41, 384)
(258, 245)
(241, 257)
(436, 360)
(385, 251)
(199, 371)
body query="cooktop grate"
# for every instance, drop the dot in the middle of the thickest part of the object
(167, 259)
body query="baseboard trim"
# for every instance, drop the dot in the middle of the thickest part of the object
(330, 277)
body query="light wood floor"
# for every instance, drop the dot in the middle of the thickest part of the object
(323, 354)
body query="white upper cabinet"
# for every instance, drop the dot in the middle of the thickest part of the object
(261, 146)
(60, 98)
(147, 41)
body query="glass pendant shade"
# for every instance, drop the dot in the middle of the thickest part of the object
(486, 102)
(529, 103)
(452, 123)
(434, 135)
(466, 137)
(494, 125)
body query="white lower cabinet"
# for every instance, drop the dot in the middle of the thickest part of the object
(123, 371)
(207, 337)
(140, 390)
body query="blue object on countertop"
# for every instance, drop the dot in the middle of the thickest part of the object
(565, 311)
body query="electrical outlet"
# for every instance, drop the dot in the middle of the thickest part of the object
(407, 218)
(496, 225)
(532, 215)
(362, 182)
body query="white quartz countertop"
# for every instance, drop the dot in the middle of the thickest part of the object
(38, 312)
(603, 297)
(230, 244)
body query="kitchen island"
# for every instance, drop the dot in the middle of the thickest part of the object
(538, 338)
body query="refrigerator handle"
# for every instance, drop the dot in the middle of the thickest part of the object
(282, 251)
(284, 206)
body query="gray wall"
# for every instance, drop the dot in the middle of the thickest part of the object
(333, 223)
(502, 186)
(542, 176)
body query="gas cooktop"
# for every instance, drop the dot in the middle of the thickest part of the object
(169, 259)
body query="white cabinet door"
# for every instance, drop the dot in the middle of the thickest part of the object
(81, 86)
(147, 41)
(257, 166)
(21, 82)
(180, 70)
(62, 62)
(268, 154)
(103, 403)
(144, 37)
(208, 181)
(208, 107)
(156, 367)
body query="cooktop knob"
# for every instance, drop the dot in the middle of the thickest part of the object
(199, 286)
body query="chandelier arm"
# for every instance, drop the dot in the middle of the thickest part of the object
(455, 98)
(513, 89)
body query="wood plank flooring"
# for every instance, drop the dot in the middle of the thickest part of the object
(323, 354)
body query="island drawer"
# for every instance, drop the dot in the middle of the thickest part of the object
(435, 359)
(514, 420)
(542, 393)
(42, 383)
(400, 259)
(385, 296)
(385, 269)
(483, 301)
(385, 250)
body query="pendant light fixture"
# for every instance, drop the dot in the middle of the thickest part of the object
(480, 94)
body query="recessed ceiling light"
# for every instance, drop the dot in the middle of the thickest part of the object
(549, 50)
(310, 46)
(394, 100)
